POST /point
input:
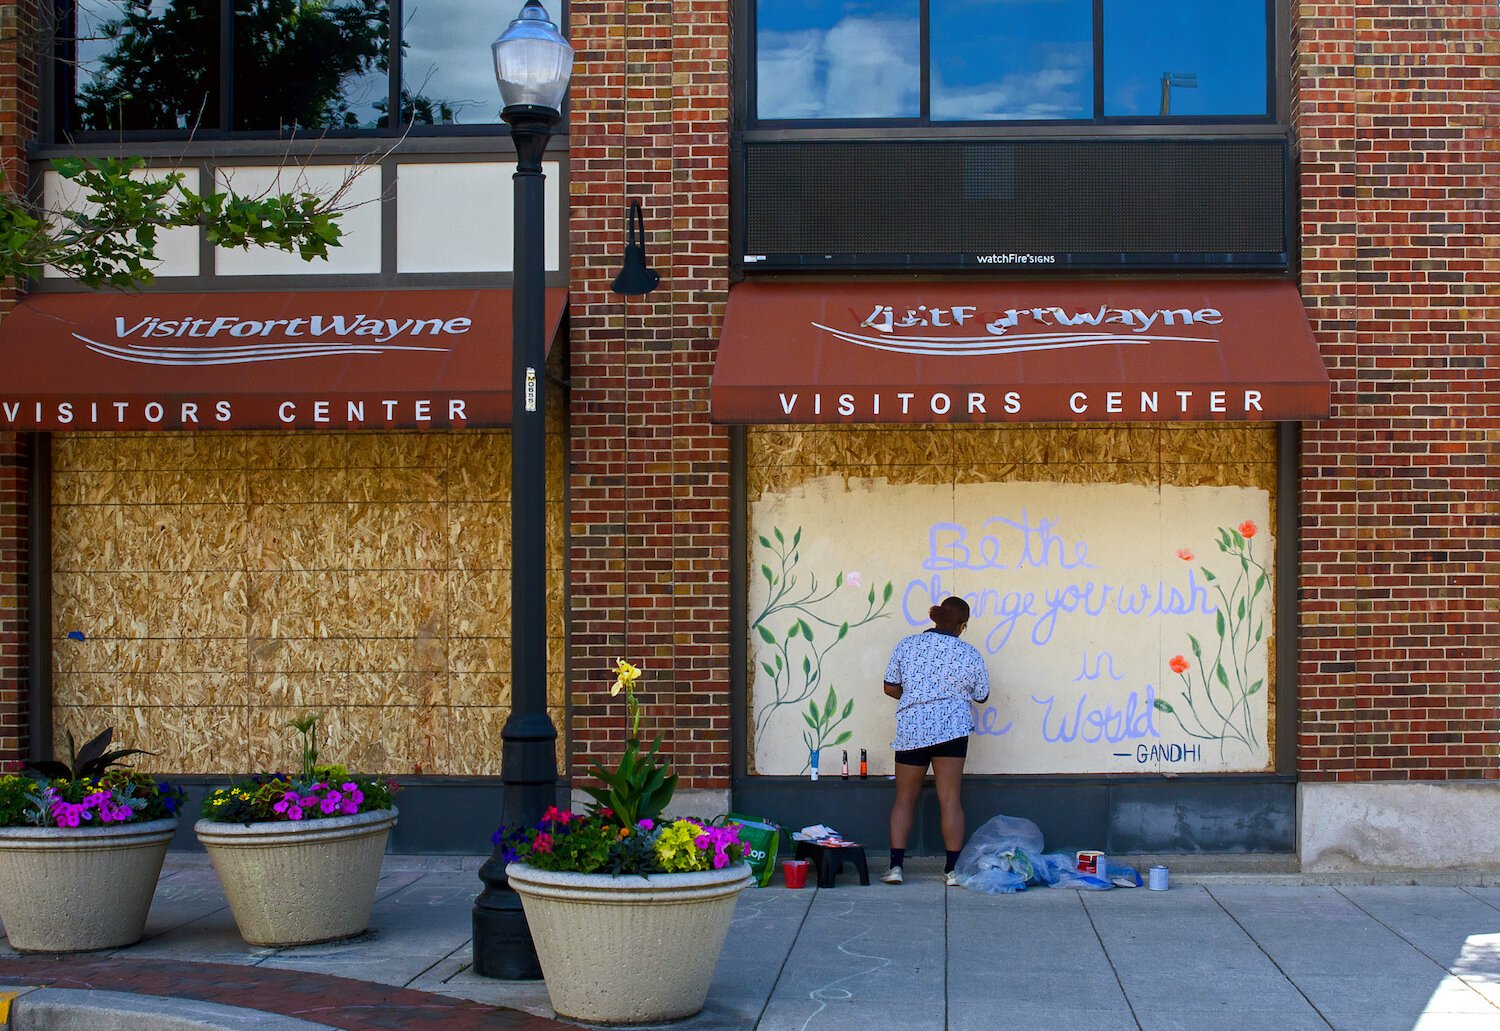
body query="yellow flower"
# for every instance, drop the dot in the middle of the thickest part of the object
(625, 676)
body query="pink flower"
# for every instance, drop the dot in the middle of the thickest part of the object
(646, 825)
(1185, 554)
(294, 813)
(329, 805)
(543, 843)
(852, 579)
(1247, 529)
(348, 807)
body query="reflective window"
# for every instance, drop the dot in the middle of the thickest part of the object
(310, 65)
(1011, 59)
(975, 61)
(1203, 57)
(838, 59)
(441, 83)
(146, 65)
(294, 65)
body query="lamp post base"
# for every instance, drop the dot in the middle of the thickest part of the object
(502, 942)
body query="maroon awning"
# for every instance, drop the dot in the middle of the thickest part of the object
(313, 360)
(1051, 351)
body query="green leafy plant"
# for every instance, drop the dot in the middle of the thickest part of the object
(1221, 684)
(320, 790)
(798, 634)
(90, 761)
(596, 842)
(639, 788)
(110, 239)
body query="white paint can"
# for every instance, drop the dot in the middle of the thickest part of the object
(1156, 879)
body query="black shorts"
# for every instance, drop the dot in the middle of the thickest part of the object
(958, 748)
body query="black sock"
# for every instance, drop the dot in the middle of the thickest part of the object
(898, 856)
(951, 863)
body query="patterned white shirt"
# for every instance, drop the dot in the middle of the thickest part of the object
(939, 676)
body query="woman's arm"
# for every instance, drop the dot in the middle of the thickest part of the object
(893, 690)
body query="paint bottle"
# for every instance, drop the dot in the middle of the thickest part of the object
(846, 764)
(864, 765)
(814, 764)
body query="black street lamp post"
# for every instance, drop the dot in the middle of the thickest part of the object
(532, 64)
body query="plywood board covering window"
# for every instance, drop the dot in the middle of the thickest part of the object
(1121, 580)
(209, 587)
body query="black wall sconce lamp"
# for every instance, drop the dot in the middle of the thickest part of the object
(635, 278)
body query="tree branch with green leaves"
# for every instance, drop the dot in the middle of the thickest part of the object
(108, 236)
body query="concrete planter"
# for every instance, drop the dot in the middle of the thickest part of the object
(299, 882)
(74, 889)
(629, 949)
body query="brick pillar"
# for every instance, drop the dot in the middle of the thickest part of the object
(1396, 118)
(649, 532)
(18, 112)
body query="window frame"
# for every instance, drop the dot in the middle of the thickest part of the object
(58, 111)
(747, 82)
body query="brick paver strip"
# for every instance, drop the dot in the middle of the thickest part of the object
(338, 1002)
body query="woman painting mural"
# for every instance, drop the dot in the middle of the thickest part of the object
(934, 677)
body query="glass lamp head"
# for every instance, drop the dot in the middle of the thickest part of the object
(533, 61)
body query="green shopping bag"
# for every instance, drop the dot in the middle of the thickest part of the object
(761, 838)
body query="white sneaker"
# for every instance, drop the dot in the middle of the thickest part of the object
(950, 879)
(892, 876)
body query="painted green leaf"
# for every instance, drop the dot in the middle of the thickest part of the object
(765, 635)
(1255, 687)
(890, 589)
(831, 707)
(806, 630)
(871, 596)
(1219, 621)
(797, 537)
(765, 571)
(1260, 629)
(1197, 648)
(810, 721)
(848, 708)
(1220, 675)
(777, 531)
(1260, 585)
(793, 631)
(806, 665)
(1207, 574)
(779, 664)
(1163, 705)
(1240, 609)
(765, 542)
(843, 631)
(845, 736)
(838, 581)
(769, 671)
(812, 709)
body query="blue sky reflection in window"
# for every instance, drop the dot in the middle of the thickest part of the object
(1222, 42)
(838, 59)
(1012, 59)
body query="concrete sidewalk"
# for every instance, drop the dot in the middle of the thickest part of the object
(1248, 951)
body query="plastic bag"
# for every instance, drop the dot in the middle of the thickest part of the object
(1005, 855)
(761, 838)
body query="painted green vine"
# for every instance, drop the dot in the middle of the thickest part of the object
(793, 623)
(1219, 685)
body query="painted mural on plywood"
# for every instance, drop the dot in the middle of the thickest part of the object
(1126, 626)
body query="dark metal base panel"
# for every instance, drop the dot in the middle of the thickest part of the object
(457, 815)
(1119, 817)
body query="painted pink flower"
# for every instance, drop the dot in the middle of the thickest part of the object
(1247, 529)
(1186, 554)
(1178, 664)
(852, 579)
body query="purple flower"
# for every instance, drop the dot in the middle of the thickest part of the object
(646, 825)
(293, 813)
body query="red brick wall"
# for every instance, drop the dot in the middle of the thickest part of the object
(18, 83)
(1397, 117)
(649, 532)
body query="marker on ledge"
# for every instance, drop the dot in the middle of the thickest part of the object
(814, 764)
